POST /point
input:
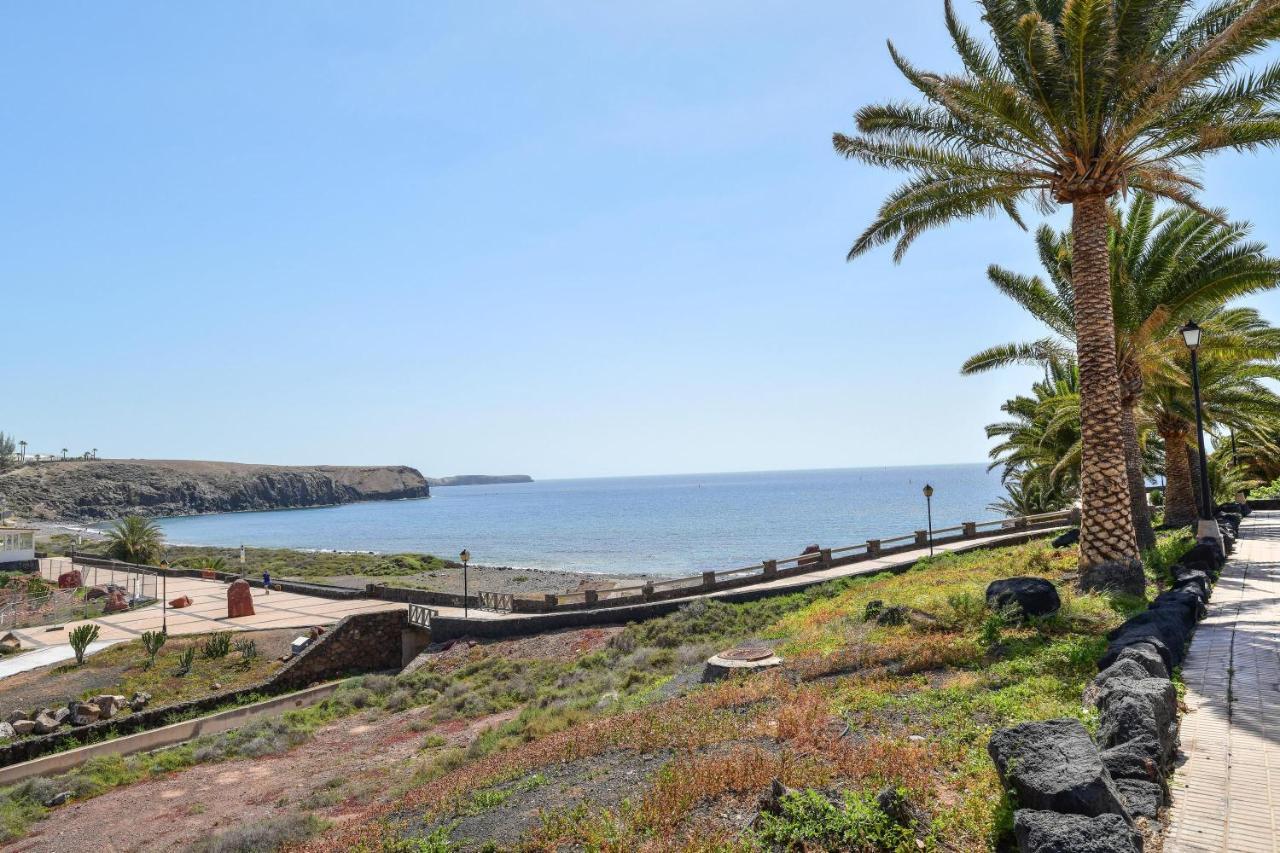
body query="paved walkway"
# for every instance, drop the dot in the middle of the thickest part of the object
(1226, 796)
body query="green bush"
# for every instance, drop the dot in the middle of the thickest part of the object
(80, 638)
(185, 661)
(263, 835)
(248, 650)
(810, 821)
(217, 646)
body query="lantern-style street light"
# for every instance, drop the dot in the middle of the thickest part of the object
(465, 556)
(1191, 334)
(928, 504)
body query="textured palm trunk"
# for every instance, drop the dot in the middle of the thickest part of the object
(1197, 487)
(1179, 488)
(1106, 528)
(1131, 379)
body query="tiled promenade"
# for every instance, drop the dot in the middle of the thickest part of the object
(1226, 796)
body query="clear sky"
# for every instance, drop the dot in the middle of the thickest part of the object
(565, 238)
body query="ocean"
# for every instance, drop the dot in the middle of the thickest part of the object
(669, 525)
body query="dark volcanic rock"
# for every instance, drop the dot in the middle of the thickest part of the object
(1029, 596)
(1051, 832)
(1124, 578)
(109, 489)
(1147, 640)
(1067, 539)
(1148, 657)
(1144, 799)
(1145, 709)
(1129, 669)
(1054, 765)
(1134, 759)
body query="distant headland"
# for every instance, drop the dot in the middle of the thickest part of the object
(479, 479)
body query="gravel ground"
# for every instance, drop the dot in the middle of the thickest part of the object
(495, 579)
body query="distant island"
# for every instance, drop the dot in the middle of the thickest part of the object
(479, 479)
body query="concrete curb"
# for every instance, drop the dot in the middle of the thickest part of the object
(61, 762)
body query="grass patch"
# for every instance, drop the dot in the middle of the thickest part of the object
(262, 836)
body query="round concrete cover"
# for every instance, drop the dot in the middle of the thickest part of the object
(746, 653)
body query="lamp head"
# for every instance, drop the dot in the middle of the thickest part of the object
(465, 556)
(1191, 335)
(928, 490)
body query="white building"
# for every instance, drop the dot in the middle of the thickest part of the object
(17, 545)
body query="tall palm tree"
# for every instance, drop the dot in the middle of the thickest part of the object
(1072, 102)
(135, 539)
(1166, 267)
(1039, 447)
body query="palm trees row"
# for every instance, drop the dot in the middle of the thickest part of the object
(1165, 266)
(1073, 103)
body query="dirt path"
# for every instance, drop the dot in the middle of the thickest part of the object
(346, 766)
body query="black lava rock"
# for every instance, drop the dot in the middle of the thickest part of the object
(1116, 577)
(1029, 596)
(1054, 765)
(1144, 799)
(1051, 832)
(1066, 540)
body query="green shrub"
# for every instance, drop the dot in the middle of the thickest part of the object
(967, 609)
(185, 661)
(262, 836)
(810, 821)
(248, 650)
(152, 641)
(80, 638)
(217, 646)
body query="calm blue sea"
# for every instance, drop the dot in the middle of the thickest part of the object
(666, 525)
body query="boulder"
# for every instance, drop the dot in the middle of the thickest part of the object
(84, 713)
(1169, 624)
(1054, 765)
(7, 732)
(44, 723)
(1147, 656)
(1144, 799)
(1114, 577)
(14, 716)
(771, 799)
(57, 799)
(1051, 832)
(95, 592)
(1066, 540)
(116, 603)
(900, 810)
(70, 580)
(1186, 602)
(9, 642)
(22, 728)
(60, 714)
(180, 602)
(1026, 596)
(239, 599)
(1134, 759)
(139, 700)
(1120, 669)
(1140, 710)
(1193, 579)
(109, 705)
(1204, 552)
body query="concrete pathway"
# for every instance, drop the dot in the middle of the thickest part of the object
(1226, 796)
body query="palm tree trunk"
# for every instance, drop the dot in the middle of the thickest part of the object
(1131, 394)
(1179, 492)
(1137, 482)
(1193, 462)
(1106, 528)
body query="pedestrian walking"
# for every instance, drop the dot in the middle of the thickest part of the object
(266, 582)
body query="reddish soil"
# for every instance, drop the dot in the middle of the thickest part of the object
(344, 768)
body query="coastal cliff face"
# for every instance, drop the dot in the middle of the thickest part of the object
(105, 489)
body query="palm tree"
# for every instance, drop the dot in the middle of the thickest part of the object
(64, 454)
(1165, 268)
(1071, 103)
(1039, 448)
(135, 539)
(23, 445)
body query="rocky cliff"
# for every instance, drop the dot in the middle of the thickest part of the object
(112, 488)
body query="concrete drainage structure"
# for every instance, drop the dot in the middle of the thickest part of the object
(743, 659)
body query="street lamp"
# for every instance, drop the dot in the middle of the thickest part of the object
(464, 556)
(928, 503)
(1191, 334)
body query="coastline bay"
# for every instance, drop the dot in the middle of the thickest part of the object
(662, 525)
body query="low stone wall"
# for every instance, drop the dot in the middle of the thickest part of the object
(1075, 793)
(445, 628)
(360, 643)
(319, 590)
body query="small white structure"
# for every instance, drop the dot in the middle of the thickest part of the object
(17, 545)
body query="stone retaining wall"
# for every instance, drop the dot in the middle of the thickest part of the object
(1075, 793)
(360, 643)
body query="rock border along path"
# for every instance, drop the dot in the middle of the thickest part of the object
(1226, 796)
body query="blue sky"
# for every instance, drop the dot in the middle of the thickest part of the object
(562, 238)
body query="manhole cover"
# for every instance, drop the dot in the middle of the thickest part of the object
(747, 653)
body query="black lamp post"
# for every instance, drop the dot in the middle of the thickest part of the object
(465, 557)
(1191, 336)
(928, 504)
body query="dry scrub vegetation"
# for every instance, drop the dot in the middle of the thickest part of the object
(857, 709)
